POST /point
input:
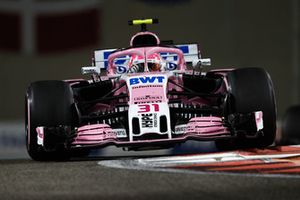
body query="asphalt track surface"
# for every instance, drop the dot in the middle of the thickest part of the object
(22, 178)
(86, 179)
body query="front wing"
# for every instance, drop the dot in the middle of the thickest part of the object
(198, 128)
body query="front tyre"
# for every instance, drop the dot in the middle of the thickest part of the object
(48, 104)
(290, 126)
(251, 90)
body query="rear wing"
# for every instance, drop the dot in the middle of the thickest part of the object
(190, 52)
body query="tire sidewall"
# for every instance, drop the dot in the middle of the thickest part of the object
(47, 103)
(252, 90)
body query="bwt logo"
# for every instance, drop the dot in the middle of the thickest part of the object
(146, 79)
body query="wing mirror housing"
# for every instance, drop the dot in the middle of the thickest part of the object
(199, 63)
(90, 70)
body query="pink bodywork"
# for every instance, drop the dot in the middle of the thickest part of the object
(144, 33)
(94, 134)
(144, 52)
(206, 126)
(196, 128)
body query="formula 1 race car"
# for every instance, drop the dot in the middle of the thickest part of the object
(150, 95)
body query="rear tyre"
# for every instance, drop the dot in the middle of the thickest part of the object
(290, 126)
(252, 90)
(49, 104)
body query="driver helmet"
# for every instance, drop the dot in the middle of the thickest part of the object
(154, 62)
(136, 64)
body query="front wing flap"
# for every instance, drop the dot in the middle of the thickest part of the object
(198, 128)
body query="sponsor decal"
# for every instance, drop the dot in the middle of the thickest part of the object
(259, 120)
(121, 69)
(108, 135)
(40, 135)
(149, 120)
(147, 97)
(180, 129)
(120, 132)
(146, 79)
(146, 86)
(158, 101)
(171, 66)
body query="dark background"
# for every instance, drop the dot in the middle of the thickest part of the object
(233, 33)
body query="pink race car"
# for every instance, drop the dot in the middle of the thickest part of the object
(150, 95)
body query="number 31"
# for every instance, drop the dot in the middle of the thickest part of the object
(147, 108)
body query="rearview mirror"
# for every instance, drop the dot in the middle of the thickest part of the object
(201, 62)
(90, 70)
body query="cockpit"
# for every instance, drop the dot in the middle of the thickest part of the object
(145, 59)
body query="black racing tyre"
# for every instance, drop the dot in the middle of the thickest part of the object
(291, 127)
(251, 89)
(48, 103)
